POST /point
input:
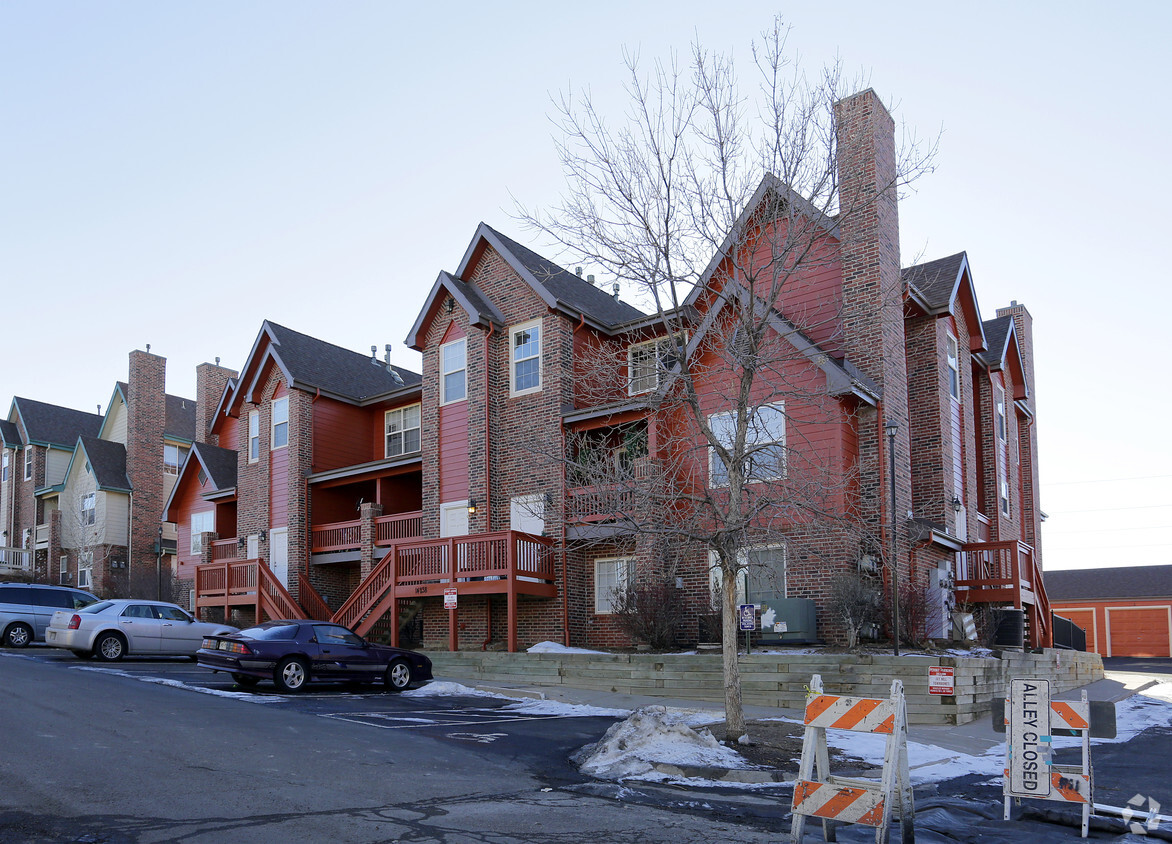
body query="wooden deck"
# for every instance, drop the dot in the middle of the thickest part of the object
(1006, 573)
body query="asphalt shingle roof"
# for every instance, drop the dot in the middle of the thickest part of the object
(60, 426)
(1120, 582)
(996, 336)
(315, 363)
(180, 417)
(935, 280)
(107, 460)
(9, 434)
(575, 292)
(220, 463)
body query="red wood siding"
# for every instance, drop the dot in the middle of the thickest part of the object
(187, 501)
(339, 435)
(279, 487)
(453, 452)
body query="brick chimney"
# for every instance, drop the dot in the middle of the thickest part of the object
(1023, 327)
(872, 296)
(146, 414)
(210, 380)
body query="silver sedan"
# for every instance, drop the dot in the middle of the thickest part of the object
(109, 630)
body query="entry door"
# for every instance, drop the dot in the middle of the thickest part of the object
(279, 554)
(454, 522)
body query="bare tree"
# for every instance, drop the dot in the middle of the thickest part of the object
(717, 209)
(83, 533)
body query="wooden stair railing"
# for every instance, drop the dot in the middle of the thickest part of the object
(311, 600)
(272, 598)
(368, 594)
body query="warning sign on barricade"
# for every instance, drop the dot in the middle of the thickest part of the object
(1030, 721)
(838, 800)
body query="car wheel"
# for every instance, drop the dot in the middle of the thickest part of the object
(18, 635)
(398, 676)
(291, 674)
(110, 647)
(246, 680)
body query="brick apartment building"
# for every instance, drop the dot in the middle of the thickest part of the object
(375, 495)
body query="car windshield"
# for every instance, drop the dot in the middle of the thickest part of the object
(271, 631)
(98, 607)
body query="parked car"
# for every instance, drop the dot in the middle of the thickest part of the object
(109, 630)
(26, 608)
(293, 653)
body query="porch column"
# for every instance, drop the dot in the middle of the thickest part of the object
(367, 513)
(453, 617)
(511, 593)
(55, 547)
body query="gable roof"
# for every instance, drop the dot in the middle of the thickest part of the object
(314, 365)
(179, 413)
(559, 288)
(9, 435)
(937, 286)
(107, 460)
(219, 463)
(1004, 352)
(1117, 582)
(52, 425)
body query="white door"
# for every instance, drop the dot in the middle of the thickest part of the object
(454, 518)
(527, 514)
(279, 554)
(253, 547)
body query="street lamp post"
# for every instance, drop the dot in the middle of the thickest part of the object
(891, 428)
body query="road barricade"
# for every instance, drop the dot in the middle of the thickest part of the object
(838, 800)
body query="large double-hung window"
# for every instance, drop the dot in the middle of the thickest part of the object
(403, 430)
(201, 523)
(764, 454)
(280, 431)
(453, 371)
(525, 352)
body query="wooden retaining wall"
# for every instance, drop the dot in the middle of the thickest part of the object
(779, 680)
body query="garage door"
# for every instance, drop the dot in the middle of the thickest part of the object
(1084, 619)
(1138, 631)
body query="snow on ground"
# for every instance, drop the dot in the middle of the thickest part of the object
(653, 734)
(555, 648)
(446, 688)
(175, 684)
(441, 688)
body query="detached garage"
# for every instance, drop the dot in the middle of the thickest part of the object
(1125, 611)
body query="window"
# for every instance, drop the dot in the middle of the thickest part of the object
(170, 459)
(525, 346)
(253, 436)
(85, 568)
(453, 371)
(89, 508)
(611, 576)
(4, 468)
(203, 476)
(1000, 411)
(64, 568)
(953, 355)
(201, 523)
(402, 427)
(280, 422)
(28, 462)
(646, 361)
(765, 574)
(764, 455)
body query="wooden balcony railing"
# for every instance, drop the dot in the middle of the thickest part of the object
(507, 562)
(599, 503)
(15, 560)
(244, 583)
(1005, 573)
(398, 527)
(225, 550)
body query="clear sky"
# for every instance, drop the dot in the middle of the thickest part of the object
(174, 173)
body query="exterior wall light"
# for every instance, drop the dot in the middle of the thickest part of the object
(471, 506)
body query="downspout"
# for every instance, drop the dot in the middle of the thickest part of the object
(305, 479)
(487, 474)
(562, 529)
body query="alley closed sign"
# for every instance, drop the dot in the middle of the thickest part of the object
(450, 598)
(941, 680)
(1029, 738)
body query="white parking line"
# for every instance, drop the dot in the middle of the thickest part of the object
(432, 718)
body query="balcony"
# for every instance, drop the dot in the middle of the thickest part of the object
(1005, 573)
(332, 537)
(243, 583)
(15, 561)
(507, 562)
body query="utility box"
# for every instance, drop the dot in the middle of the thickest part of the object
(787, 620)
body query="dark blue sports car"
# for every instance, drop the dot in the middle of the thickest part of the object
(293, 653)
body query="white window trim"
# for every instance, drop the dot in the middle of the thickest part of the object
(513, 332)
(669, 342)
(713, 459)
(85, 569)
(196, 538)
(402, 411)
(4, 469)
(443, 385)
(1000, 417)
(606, 600)
(952, 364)
(253, 436)
(92, 518)
(28, 462)
(167, 467)
(273, 423)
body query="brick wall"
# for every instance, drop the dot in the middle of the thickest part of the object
(146, 417)
(210, 381)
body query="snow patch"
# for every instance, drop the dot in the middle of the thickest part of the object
(175, 684)
(446, 688)
(566, 710)
(555, 648)
(653, 734)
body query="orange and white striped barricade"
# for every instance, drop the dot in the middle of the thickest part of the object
(837, 800)
(1062, 783)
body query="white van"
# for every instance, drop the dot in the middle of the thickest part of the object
(26, 608)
